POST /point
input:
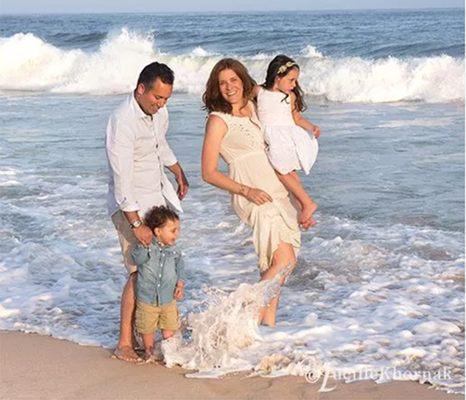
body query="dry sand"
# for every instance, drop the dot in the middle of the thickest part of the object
(40, 367)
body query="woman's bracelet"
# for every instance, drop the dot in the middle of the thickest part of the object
(243, 190)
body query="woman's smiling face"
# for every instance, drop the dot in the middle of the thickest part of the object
(231, 86)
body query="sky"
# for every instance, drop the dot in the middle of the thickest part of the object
(98, 6)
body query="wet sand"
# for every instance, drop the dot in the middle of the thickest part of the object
(41, 367)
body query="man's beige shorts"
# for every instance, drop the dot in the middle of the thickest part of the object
(149, 317)
(127, 240)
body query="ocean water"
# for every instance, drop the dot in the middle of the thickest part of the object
(380, 279)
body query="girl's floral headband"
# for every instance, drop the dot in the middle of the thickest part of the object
(284, 67)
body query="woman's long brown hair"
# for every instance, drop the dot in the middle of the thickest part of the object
(213, 99)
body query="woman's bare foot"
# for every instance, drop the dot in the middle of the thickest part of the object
(126, 353)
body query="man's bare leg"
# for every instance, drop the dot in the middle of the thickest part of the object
(124, 350)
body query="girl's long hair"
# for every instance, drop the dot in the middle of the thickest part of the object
(280, 63)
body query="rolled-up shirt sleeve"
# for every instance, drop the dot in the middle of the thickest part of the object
(120, 150)
(166, 154)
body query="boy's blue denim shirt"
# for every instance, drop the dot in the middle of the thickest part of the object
(159, 268)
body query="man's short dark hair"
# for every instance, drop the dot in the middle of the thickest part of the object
(157, 217)
(153, 71)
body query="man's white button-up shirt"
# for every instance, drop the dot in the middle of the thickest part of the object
(137, 153)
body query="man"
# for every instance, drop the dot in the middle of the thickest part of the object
(137, 153)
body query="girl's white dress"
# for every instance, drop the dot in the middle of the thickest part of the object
(290, 147)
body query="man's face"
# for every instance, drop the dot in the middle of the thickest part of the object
(150, 99)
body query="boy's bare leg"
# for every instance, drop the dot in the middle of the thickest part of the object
(148, 340)
(292, 182)
(124, 350)
(167, 333)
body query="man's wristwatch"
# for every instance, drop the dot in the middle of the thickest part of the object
(135, 224)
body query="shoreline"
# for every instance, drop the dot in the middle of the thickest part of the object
(41, 367)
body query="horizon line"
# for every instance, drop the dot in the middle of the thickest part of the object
(228, 11)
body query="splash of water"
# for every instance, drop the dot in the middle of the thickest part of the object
(227, 326)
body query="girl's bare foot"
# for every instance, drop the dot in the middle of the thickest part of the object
(308, 224)
(305, 217)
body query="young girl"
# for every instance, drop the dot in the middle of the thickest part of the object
(160, 279)
(290, 148)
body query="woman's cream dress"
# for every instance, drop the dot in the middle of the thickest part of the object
(243, 149)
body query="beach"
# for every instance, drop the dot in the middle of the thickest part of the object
(40, 367)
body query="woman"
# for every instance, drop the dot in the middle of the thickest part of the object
(258, 197)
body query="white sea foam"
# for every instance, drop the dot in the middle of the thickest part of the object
(353, 79)
(29, 63)
(370, 298)
(7, 177)
(424, 122)
(200, 52)
(311, 52)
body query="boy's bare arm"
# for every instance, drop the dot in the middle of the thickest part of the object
(179, 290)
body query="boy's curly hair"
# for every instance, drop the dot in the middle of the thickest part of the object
(157, 217)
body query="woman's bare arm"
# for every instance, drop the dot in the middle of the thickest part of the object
(215, 131)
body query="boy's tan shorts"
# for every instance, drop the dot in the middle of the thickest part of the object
(149, 318)
(127, 240)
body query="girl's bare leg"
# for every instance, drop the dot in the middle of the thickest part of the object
(283, 257)
(292, 182)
